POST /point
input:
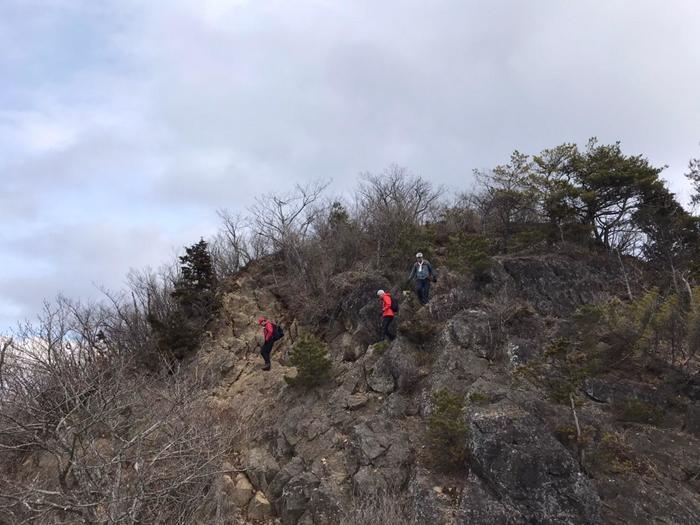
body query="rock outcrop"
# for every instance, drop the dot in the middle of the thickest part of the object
(309, 456)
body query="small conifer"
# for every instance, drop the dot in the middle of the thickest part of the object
(310, 357)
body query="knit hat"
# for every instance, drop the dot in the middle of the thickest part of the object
(419, 255)
(380, 292)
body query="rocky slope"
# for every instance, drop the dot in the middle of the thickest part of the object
(315, 457)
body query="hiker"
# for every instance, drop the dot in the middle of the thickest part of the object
(272, 333)
(422, 271)
(388, 313)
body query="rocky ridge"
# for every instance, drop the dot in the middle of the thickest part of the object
(309, 457)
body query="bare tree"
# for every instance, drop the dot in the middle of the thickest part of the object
(397, 195)
(86, 438)
(392, 205)
(284, 223)
(230, 248)
(284, 220)
(5, 345)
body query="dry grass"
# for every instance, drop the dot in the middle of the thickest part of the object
(381, 509)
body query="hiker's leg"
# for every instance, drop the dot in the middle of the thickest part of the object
(385, 323)
(419, 290)
(423, 295)
(390, 330)
(265, 352)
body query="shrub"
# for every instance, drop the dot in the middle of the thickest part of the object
(470, 252)
(88, 438)
(380, 347)
(417, 325)
(652, 324)
(614, 456)
(568, 436)
(479, 398)
(637, 411)
(383, 508)
(310, 357)
(448, 431)
(693, 341)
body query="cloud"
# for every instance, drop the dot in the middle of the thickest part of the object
(134, 121)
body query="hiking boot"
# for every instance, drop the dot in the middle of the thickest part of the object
(266, 367)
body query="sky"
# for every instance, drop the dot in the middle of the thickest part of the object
(125, 125)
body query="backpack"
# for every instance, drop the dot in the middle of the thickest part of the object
(277, 332)
(394, 305)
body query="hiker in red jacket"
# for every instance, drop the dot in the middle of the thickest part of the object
(387, 315)
(270, 338)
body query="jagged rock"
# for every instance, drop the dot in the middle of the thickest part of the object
(371, 445)
(396, 406)
(259, 508)
(295, 497)
(617, 390)
(470, 330)
(241, 491)
(348, 347)
(529, 469)
(692, 388)
(368, 481)
(425, 504)
(400, 360)
(261, 468)
(478, 505)
(306, 519)
(324, 503)
(291, 469)
(381, 379)
(692, 419)
(317, 427)
(355, 401)
(227, 364)
(558, 284)
(455, 368)
(378, 444)
(445, 304)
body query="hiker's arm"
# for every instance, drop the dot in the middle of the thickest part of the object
(432, 272)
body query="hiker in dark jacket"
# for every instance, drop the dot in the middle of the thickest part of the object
(423, 273)
(269, 335)
(387, 315)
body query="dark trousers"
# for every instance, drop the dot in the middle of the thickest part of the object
(423, 290)
(266, 350)
(387, 328)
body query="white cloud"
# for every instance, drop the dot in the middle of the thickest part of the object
(147, 116)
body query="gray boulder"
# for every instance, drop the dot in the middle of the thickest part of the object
(528, 469)
(478, 505)
(295, 497)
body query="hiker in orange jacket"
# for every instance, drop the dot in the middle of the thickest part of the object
(269, 335)
(387, 315)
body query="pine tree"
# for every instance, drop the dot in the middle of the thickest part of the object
(310, 358)
(195, 290)
(447, 431)
(196, 301)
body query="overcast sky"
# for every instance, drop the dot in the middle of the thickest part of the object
(125, 125)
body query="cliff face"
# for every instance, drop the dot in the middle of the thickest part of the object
(357, 444)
